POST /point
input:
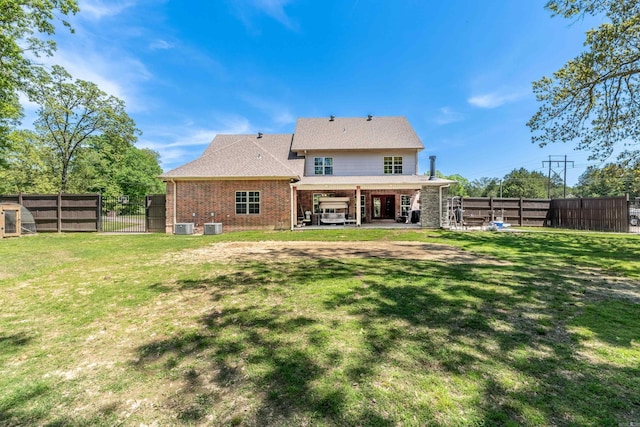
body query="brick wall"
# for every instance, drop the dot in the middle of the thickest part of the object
(204, 197)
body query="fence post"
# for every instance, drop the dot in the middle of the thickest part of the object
(581, 225)
(626, 217)
(491, 208)
(99, 224)
(59, 209)
(521, 211)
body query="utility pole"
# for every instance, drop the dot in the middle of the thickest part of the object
(558, 162)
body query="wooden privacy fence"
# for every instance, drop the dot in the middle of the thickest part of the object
(601, 214)
(597, 214)
(61, 212)
(91, 212)
(477, 211)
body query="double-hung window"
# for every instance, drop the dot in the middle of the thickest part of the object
(393, 165)
(323, 165)
(247, 202)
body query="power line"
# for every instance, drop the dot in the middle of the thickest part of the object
(556, 172)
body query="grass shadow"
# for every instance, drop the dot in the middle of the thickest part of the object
(309, 341)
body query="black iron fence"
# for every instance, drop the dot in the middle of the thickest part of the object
(123, 214)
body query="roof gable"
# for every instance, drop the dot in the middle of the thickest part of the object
(358, 133)
(233, 156)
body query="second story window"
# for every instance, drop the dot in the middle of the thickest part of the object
(323, 166)
(393, 165)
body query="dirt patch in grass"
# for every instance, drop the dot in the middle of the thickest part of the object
(597, 285)
(268, 250)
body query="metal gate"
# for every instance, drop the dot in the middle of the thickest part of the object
(125, 214)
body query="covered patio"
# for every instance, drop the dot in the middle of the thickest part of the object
(395, 201)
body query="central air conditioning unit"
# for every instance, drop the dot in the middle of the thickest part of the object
(183, 228)
(213, 228)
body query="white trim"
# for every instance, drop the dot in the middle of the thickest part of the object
(358, 207)
(292, 206)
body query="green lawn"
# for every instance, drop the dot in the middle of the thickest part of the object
(542, 329)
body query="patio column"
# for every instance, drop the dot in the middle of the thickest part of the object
(294, 206)
(358, 207)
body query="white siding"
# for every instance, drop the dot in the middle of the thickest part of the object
(358, 163)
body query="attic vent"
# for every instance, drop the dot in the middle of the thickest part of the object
(332, 118)
(259, 134)
(369, 117)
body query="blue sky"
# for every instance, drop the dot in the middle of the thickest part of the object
(459, 70)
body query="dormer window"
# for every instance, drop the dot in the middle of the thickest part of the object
(323, 165)
(393, 165)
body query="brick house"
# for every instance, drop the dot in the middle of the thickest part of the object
(330, 171)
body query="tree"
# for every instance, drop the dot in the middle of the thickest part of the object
(72, 111)
(28, 165)
(523, 183)
(104, 169)
(485, 187)
(21, 21)
(613, 179)
(593, 99)
(459, 188)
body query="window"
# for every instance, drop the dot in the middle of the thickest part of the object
(323, 165)
(393, 165)
(405, 205)
(363, 210)
(248, 202)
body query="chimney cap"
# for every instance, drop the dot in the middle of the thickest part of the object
(369, 117)
(260, 134)
(332, 118)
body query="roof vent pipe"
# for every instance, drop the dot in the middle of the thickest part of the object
(332, 118)
(432, 168)
(369, 117)
(259, 134)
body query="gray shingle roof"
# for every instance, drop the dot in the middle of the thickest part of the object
(354, 134)
(233, 156)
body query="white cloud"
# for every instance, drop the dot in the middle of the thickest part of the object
(98, 9)
(495, 99)
(278, 113)
(160, 44)
(184, 142)
(275, 9)
(447, 115)
(246, 9)
(119, 78)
